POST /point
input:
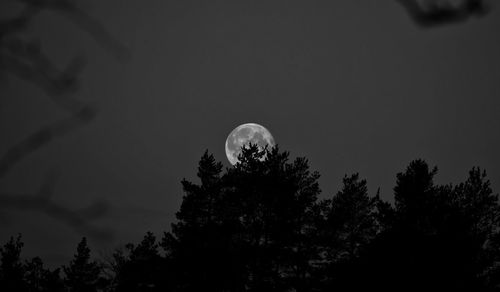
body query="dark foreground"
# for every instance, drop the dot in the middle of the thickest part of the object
(260, 226)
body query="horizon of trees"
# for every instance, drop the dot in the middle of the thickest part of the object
(260, 226)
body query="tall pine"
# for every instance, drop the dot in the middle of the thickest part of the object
(82, 274)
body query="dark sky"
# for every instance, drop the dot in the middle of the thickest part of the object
(355, 86)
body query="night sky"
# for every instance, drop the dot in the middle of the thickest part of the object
(354, 86)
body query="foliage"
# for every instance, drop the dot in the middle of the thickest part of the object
(11, 267)
(82, 274)
(261, 226)
(28, 276)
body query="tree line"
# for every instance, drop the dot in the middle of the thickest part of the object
(260, 226)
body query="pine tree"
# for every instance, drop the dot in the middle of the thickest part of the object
(351, 219)
(250, 228)
(277, 215)
(415, 195)
(38, 278)
(198, 243)
(34, 274)
(82, 274)
(444, 237)
(350, 225)
(11, 267)
(477, 231)
(142, 268)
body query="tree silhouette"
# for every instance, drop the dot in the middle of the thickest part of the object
(352, 219)
(259, 226)
(277, 217)
(351, 223)
(82, 274)
(28, 276)
(479, 227)
(249, 228)
(142, 268)
(11, 268)
(433, 13)
(200, 242)
(432, 241)
(40, 279)
(25, 58)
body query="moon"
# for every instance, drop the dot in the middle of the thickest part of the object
(243, 135)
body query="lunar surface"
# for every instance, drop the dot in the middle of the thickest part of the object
(244, 135)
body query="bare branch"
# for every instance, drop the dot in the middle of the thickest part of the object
(26, 60)
(434, 13)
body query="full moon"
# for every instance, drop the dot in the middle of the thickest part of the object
(244, 135)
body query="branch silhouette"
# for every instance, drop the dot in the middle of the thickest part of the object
(78, 220)
(26, 60)
(41, 138)
(42, 201)
(437, 13)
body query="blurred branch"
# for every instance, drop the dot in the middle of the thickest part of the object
(86, 22)
(78, 221)
(27, 61)
(432, 13)
(42, 201)
(97, 31)
(41, 138)
(18, 23)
